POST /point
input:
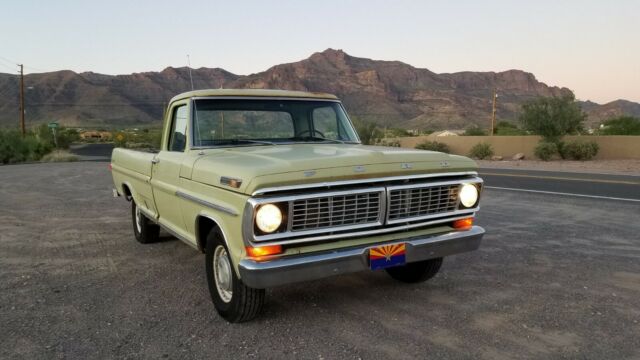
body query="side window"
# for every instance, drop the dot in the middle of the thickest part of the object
(326, 122)
(178, 136)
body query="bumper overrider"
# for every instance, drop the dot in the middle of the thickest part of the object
(298, 268)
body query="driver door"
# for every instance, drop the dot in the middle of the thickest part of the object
(165, 178)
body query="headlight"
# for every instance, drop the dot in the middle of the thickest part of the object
(468, 195)
(268, 218)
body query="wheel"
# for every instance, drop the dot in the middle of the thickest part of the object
(233, 300)
(145, 231)
(416, 272)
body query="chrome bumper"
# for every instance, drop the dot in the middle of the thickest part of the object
(316, 266)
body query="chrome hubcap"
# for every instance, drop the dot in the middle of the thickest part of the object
(222, 273)
(138, 220)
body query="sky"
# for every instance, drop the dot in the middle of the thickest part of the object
(591, 47)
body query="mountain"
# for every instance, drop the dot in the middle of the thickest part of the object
(600, 113)
(390, 93)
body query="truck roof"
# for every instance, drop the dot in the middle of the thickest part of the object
(253, 93)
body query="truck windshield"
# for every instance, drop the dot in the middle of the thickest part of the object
(228, 122)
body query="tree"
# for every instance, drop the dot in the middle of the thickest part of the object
(552, 117)
(623, 125)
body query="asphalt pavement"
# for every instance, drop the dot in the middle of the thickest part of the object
(557, 276)
(620, 187)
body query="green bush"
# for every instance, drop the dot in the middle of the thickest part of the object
(14, 148)
(474, 131)
(433, 146)
(481, 151)
(580, 150)
(623, 125)
(545, 150)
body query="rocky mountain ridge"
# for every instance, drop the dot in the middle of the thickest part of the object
(390, 93)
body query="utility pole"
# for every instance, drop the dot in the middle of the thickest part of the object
(24, 132)
(493, 112)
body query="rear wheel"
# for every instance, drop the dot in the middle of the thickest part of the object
(233, 300)
(417, 271)
(144, 230)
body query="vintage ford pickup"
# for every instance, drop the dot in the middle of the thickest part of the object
(274, 187)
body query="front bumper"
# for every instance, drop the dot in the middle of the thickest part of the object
(316, 266)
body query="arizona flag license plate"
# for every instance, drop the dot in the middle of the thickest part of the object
(385, 256)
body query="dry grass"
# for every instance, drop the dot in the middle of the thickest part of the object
(59, 156)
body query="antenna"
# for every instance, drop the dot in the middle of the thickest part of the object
(189, 67)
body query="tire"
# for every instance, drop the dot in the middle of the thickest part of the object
(233, 300)
(144, 230)
(416, 272)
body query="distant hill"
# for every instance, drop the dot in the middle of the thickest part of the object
(390, 93)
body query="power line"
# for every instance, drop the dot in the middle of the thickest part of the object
(8, 67)
(12, 62)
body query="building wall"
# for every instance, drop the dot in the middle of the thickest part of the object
(611, 147)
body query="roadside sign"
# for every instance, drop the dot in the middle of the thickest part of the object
(53, 125)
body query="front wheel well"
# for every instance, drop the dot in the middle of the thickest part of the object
(127, 192)
(204, 225)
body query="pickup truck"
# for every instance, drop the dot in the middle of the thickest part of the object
(275, 187)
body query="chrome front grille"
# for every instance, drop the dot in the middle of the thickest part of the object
(364, 211)
(420, 202)
(336, 211)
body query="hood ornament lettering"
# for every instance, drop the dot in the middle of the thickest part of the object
(444, 164)
(309, 173)
(406, 166)
(358, 169)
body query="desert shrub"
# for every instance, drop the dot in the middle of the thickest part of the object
(433, 146)
(545, 150)
(623, 125)
(474, 131)
(59, 156)
(506, 128)
(580, 150)
(391, 143)
(481, 151)
(15, 148)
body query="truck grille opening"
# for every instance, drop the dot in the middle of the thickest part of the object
(423, 201)
(336, 211)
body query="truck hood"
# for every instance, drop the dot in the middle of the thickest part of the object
(270, 166)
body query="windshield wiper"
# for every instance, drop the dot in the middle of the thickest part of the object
(318, 138)
(249, 141)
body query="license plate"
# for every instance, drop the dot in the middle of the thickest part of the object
(385, 256)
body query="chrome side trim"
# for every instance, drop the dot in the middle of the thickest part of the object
(360, 181)
(206, 203)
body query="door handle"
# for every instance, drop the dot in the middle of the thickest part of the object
(155, 160)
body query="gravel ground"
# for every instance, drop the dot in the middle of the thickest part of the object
(621, 167)
(552, 280)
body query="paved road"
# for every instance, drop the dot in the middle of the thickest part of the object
(563, 183)
(556, 277)
(92, 152)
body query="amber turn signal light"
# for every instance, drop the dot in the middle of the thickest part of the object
(262, 251)
(463, 224)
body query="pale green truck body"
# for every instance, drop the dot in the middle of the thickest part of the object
(191, 192)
